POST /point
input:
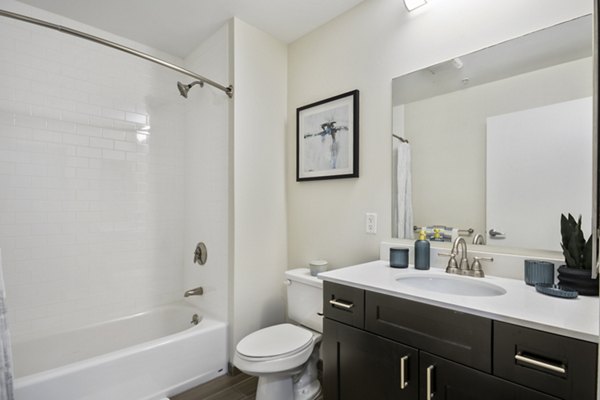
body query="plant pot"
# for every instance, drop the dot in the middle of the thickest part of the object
(579, 280)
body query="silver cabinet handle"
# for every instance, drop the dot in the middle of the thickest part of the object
(403, 381)
(494, 234)
(341, 304)
(429, 379)
(532, 361)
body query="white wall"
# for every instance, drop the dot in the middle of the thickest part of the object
(364, 49)
(553, 182)
(207, 169)
(91, 220)
(260, 242)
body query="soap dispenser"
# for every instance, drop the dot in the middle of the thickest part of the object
(422, 251)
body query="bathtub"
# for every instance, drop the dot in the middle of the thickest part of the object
(147, 356)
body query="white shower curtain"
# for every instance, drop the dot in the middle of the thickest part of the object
(402, 212)
(6, 373)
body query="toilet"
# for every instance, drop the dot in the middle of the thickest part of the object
(285, 356)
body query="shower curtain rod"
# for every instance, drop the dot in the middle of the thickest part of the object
(228, 90)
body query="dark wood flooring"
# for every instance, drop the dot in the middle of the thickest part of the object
(226, 387)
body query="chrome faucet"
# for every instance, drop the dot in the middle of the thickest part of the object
(454, 267)
(194, 292)
(463, 267)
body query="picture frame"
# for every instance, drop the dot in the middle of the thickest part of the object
(327, 135)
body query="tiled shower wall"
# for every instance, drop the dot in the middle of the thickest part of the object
(91, 180)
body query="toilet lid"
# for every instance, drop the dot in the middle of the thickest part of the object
(275, 341)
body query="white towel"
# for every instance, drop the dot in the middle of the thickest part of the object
(402, 212)
(6, 372)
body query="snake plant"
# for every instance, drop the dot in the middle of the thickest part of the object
(577, 251)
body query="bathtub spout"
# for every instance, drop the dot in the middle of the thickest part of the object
(194, 292)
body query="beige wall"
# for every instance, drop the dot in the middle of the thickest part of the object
(449, 151)
(259, 218)
(364, 49)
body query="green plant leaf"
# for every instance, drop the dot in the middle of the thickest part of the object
(564, 230)
(587, 254)
(573, 242)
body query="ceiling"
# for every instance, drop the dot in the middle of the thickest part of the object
(548, 47)
(178, 26)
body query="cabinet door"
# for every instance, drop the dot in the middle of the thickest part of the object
(358, 365)
(446, 380)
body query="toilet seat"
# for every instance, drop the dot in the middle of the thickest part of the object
(276, 349)
(276, 341)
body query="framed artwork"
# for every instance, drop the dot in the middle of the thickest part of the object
(327, 138)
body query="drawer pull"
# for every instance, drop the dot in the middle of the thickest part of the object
(429, 383)
(532, 361)
(403, 381)
(341, 304)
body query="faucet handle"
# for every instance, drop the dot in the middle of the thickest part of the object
(476, 267)
(452, 267)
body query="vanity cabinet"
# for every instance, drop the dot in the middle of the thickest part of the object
(359, 365)
(461, 337)
(404, 349)
(442, 379)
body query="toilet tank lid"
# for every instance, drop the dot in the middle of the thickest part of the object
(303, 275)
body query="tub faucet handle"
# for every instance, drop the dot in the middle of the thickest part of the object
(200, 254)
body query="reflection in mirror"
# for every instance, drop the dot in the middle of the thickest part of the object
(497, 140)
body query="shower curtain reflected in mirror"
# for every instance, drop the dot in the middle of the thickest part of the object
(402, 214)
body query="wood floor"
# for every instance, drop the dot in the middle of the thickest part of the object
(226, 387)
(238, 387)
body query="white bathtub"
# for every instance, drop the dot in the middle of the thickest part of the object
(148, 356)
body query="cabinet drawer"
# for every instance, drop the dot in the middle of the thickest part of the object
(460, 337)
(344, 304)
(554, 364)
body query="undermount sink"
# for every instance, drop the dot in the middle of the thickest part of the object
(450, 284)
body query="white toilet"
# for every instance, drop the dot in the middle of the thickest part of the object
(285, 356)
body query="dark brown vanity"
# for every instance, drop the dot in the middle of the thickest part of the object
(379, 346)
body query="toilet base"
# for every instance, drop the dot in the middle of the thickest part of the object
(306, 384)
(303, 385)
(280, 387)
(273, 387)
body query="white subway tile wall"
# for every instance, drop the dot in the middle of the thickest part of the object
(91, 181)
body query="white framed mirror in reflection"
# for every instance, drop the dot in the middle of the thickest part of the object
(499, 140)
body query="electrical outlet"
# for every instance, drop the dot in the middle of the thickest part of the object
(371, 224)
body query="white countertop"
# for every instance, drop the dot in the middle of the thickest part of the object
(520, 305)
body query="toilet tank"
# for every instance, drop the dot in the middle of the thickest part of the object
(305, 298)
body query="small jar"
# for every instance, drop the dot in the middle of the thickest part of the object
(317, 266)
(398, 257)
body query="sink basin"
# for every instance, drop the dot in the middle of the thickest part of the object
(450, 284)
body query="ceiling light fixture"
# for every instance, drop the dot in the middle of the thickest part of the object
(414, 4)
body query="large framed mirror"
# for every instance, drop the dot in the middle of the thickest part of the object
(497, 142)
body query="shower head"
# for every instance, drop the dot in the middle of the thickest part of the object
(184, 89)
